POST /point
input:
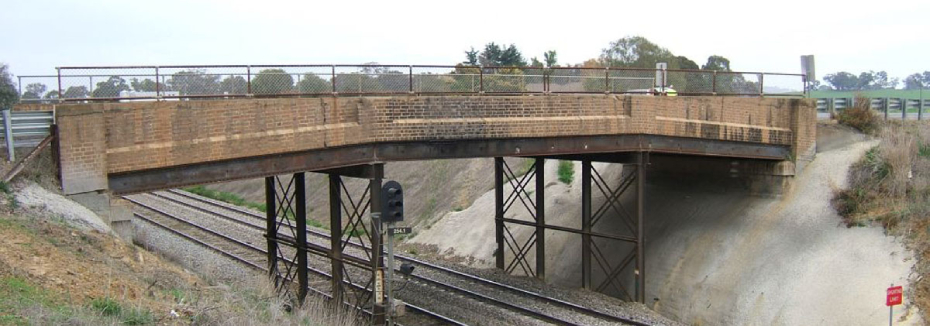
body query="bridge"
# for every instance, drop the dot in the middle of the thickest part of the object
(182, 129)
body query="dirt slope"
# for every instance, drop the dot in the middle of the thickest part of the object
(716, 255)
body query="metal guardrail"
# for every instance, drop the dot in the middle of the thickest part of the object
(112, 83)
(888, 107)
(27, 127)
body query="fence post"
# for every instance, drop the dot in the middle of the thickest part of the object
(248, 80)
(20, 78)
(411, 79)
(606, 80)
(61, 96)
(333, 79)
(885, 105)
(157, 88)
(761, 85)
(831, 107)
(480, 80)
(8, 134)
(903, 104)
(713, 88)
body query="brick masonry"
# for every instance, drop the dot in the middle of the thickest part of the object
(105, 138)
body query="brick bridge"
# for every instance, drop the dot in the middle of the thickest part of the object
(129, 147)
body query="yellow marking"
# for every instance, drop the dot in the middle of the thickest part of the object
(728, 124)
(509, 119)
(222, 138)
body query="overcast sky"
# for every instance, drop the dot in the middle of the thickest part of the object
(38, 35)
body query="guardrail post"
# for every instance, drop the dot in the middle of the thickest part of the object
(885, 106)
(903, 104)
(8, 133)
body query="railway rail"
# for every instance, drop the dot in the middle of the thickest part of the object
(439, 274)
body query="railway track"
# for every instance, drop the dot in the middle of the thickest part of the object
(528, 303)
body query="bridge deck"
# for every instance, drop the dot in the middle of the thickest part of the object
(132, 147)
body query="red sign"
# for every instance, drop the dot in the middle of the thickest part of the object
(895, 295)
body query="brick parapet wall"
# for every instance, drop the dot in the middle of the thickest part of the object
(144, 135)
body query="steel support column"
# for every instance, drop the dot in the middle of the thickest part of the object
(540, 218)
(586, 225)
(300, 221)
(499, 211)
(335, 239)
(377, 248)
(271, 226)
(520, 245)
(286, 223)
(640, 242)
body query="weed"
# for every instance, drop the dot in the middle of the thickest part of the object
(106, 306)
(860, 116)
(566, 172)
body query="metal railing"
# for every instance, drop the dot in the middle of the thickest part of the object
(887, 107)
(25, 128)
(232, 81)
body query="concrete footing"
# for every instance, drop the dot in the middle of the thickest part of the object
(116, 212)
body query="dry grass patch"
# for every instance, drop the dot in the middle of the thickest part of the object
(891, 186)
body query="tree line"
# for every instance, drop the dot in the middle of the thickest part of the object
(505, 67)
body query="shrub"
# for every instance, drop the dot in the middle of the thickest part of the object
(566, 172)
(860, 116)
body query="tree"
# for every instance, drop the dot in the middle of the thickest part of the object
(716, 62)
(635, 52)
(536, 63)
(34, 91)
(842, 81)
(146, 85)
(496, 56)
(193, 82)
(313, 84)
(551, 59)
(51, 95)
(234, 85)
(76, 92)
(471, 57)
(917, 81)
(112, 87)
(866, 80)
(272, 81)
(8, 93)
(685, 63)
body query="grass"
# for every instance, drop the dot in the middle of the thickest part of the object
(892, 93)
(22, 303)
(890, 186)
(566, 172)
(231, 198)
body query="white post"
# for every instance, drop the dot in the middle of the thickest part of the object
(389, 280)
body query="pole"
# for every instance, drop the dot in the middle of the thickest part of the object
(499, 210)
(540, 218)
(8, 133)
(586, 224)
(890, 311)
(377, 260)
(335, 239)
(389, 280)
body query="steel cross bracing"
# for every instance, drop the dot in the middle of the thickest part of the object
(286, 209)
(286, 204)
(631, 231)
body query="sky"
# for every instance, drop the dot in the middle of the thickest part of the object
(767, 36)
